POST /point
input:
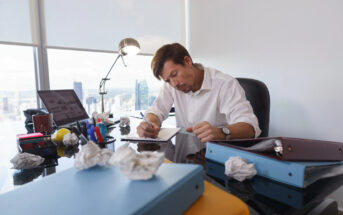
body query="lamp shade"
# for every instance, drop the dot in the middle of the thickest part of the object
(128, 46)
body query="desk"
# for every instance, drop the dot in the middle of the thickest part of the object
(261, 195)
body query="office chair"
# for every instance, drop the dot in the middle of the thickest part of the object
(258, 95)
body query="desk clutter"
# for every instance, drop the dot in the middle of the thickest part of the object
(91, 135)
(61, 142)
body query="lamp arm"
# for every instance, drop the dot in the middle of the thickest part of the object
(123, 61)
(102, 82)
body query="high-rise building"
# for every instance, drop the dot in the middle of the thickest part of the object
(141, 95)
(78, 90)
(90, 100)
(5, 104)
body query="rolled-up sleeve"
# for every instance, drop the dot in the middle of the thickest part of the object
(162, 103)
(236, 107)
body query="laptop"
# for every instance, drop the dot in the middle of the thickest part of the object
(64, 105)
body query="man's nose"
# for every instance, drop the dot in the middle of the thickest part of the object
(174, 83)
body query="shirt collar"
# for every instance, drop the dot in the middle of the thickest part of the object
(206, 83)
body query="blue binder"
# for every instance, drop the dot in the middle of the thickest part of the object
(283, 193)
(107, 191)
(299, 174)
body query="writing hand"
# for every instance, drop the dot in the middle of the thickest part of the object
(145, 129)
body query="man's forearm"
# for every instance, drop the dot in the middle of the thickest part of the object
(152, 118)
(241, 130)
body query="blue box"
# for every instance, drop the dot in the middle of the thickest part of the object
(99, 190)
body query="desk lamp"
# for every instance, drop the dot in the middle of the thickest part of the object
(127, 46)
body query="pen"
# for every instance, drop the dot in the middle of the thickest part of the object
(145, 119)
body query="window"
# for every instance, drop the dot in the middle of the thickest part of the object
(130, 88)
(17, 93)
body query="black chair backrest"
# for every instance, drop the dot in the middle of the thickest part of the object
(258, 95)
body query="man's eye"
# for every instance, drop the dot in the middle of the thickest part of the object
(173, 74)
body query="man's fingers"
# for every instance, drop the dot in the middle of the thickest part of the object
(204, 134)
(199, 130)
(189, 129)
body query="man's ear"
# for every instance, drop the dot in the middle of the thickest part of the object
(188, 60)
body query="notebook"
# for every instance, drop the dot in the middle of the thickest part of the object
(164, 135)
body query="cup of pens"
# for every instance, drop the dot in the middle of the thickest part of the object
(98, 132)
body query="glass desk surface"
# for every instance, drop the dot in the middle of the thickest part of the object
(263, 196)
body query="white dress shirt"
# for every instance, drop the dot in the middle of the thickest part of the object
(220, 101)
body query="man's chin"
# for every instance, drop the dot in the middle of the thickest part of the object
(186, 90)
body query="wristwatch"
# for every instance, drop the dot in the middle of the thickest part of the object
(227, 132)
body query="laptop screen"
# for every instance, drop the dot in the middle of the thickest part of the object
(64, 105)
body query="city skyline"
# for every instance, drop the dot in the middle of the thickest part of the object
(13, 103)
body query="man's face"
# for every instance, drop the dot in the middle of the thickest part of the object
(178, 76)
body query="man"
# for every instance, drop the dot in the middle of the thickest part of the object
(207, 102)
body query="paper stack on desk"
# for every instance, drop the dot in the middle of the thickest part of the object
(164, 135)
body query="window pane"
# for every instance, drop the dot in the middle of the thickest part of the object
(15, 21)
(17, 93)
(102, 24)
(83, 72)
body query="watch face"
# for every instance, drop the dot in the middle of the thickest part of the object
(226, 131)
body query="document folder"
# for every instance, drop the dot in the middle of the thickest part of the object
(299, 174)
(107, 191)
(294, 149)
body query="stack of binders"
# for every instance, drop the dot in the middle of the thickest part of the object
(293, 161)
(273, 190)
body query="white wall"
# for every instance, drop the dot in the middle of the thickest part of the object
(294, 46)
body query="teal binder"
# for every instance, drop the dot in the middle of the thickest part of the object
(299, 174)
(98, 190)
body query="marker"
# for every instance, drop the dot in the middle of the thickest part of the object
(145, 119)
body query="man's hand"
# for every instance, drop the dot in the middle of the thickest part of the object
(148, 130)
(206, 132)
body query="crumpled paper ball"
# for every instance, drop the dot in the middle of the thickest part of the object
(239, 169)
(91, 155)
(105, 155)
(26, 161)
(136, 166)
(70, 139)
(104, 117)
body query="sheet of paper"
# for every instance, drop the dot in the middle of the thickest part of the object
(164, 135)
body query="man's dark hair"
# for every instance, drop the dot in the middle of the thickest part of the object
(175, 52)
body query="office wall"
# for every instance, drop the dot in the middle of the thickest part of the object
(294, 46)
